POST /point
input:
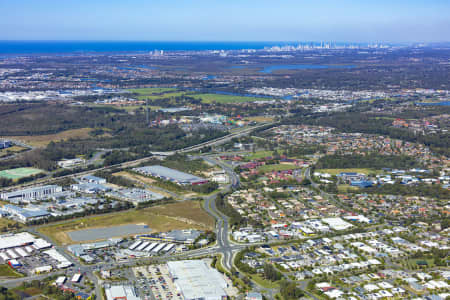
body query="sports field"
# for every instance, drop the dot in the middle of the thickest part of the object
(19, 173)
(279, 167)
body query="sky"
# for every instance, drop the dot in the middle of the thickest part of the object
(227, 20)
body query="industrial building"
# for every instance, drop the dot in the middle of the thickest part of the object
(136, 196)
(23, 239)
(69, 163)
(81, 249)
(195, 279)
(5, 144)
(122, 292)
(186, 236)
(93, 179)
(25, 215)
(90, 188)
(31, 194)
(172, 175)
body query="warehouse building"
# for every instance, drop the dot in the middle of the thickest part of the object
(69, 163)
(5, 144)
(25, 215)
(8, 241)
(136, 196)
(31, 194)
(93, 179)
(81, 249)
(185, 236)
(172, 175)
(122, 292)
(195, 279)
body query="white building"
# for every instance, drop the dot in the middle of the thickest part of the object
(123, 292)
(195, 279)
(30, 194)
(69, 163)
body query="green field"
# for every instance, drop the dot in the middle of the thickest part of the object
(258, 154)
(354, 170)
(345, 188)
(280, 167)
(151, 91)
(226, 99)
(19, 173)
(7, 271)
(164, 95)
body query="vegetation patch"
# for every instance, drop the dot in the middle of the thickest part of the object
(8, 272)
(7, 224)
(350, 170)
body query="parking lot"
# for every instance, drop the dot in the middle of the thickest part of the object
(154, 283)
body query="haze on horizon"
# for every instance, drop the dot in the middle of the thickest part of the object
(230, 20)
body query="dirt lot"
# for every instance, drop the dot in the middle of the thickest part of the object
(44, 140)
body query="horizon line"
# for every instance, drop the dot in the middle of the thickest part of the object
(220, 41)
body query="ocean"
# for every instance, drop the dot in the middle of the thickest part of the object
(81, 47)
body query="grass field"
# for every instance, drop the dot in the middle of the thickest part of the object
(180, 215)
(260, 119)
(355, 170)
(151, 91)
(258, 154)
(164, 95)
(225, 99)
(19, 173)
(280, 167)
(8, 272)
(345, 188)
(44, 140)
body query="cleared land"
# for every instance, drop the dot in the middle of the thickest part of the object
(354, 170)
(19, 173)
(8, 272)
(11, 150)
(182, 215)
(280, 167)
(44, 140)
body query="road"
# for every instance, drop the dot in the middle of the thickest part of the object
(223, 245)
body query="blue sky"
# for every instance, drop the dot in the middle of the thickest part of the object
(226, 20)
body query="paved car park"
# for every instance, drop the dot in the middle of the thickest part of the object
(154, 282)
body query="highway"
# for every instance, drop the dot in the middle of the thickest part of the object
(132, 163)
